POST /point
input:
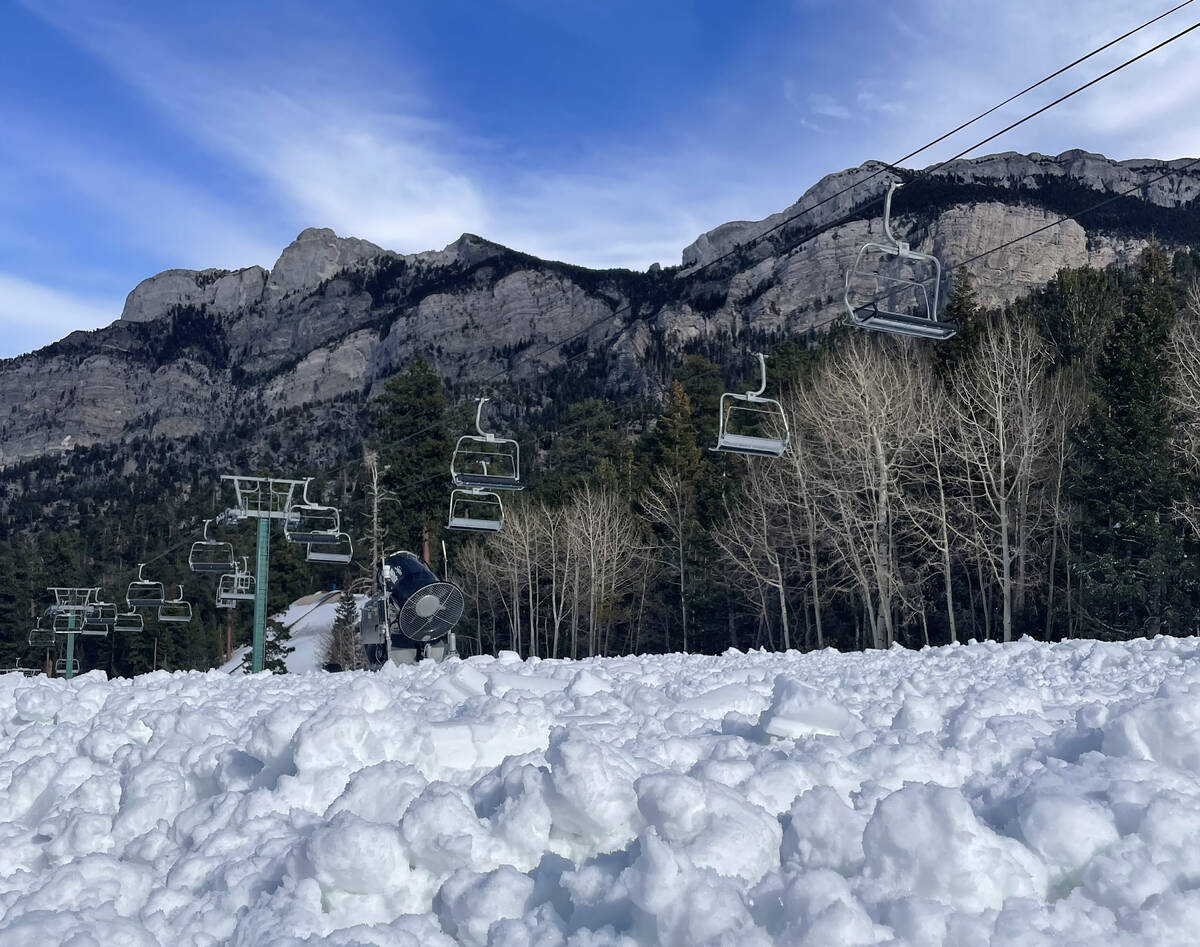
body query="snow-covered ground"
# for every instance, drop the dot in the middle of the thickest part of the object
(1024, 795)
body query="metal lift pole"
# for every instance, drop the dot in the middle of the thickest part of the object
(262, 554)
(70, 673)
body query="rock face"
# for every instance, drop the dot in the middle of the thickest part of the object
(194, 351)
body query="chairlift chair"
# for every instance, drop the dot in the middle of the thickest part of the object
(312, 523)
(341, 554)
(60, 666)
(475, 510)
(67, 619)
(41, 635)
(175, 609)
(894, 289)
(236, 586)
(209, 555)
(736, 410)
(143, 593)
(486, 461)
(130, 621)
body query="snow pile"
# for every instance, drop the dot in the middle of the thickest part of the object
(1026, 794)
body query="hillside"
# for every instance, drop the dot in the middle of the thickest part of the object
(200, 353)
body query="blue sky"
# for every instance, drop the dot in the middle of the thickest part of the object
(136, 137)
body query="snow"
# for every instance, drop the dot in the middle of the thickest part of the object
(1023, 794)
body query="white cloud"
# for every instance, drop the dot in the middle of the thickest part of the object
(32, 315)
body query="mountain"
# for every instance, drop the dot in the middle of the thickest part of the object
(201, 353)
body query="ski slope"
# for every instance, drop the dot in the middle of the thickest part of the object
(1023, 794)
(308, 620)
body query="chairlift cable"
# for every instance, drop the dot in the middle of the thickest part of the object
(857, 212)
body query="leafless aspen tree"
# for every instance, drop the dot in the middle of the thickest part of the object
(670, 505)
(865, 425)
(1001, 407)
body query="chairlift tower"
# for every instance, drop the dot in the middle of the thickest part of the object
(262, 499)
(70, 611)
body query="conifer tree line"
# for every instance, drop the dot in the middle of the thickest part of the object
(1038, 474)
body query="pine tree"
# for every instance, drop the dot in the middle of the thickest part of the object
(675, 445)
(1131, 560)
(962, 308)
(342, 648)
(276, 648)
(414, 451)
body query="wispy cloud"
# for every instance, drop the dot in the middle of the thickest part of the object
(32, 315)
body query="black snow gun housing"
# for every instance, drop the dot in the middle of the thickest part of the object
(412, 611)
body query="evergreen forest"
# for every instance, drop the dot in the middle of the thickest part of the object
(1038, 474)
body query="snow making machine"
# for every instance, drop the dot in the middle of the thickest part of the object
(412, 616)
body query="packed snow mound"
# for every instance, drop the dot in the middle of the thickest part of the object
(1020, 794)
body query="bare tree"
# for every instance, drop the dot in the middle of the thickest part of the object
(1185, 397)
(1001, 408)
(864, 425)
(607, 550)
(558, 560)
(670, 505)
(749, 540)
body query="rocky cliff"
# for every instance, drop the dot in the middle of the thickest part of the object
(195, 352)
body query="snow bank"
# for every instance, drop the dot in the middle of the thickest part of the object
(1025, 794)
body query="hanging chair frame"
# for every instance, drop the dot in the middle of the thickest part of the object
(751, 402)
(482, 449)
(209, 555)
(175, 609)
(475, 524)
(143, 593)
(341, 554)
(873, 312)
(312, 523)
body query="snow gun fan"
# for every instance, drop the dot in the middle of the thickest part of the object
(414, 615)
(894, 289)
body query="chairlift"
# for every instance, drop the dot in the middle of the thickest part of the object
(41, 635)
(341, 554)
(67, 619)
(130, 621)
(94, 624)
(312, 523)
(143, 593)
(175, 609)
(475, 510)
(738, 411)
(209, 555)
(486, 461)
(60, 666)
(236, 586)
(894, 289)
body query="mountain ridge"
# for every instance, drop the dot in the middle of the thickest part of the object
(196, 351)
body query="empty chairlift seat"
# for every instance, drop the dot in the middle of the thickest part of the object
(143, 593)
(312, 523)
(752, 424)
(175, 609)
(894, 289)
(209, 556)
(340, 554)
(475, 511)
(485, 461)
(130, 621)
